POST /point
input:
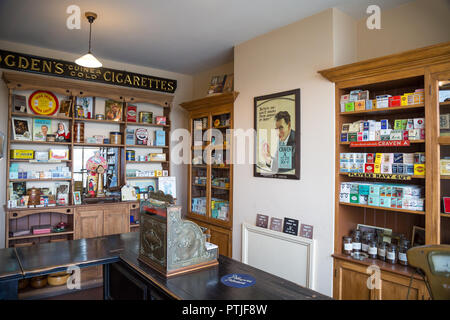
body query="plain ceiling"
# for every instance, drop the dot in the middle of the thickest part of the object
(185, 36)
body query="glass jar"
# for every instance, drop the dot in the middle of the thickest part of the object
(391, 254)
(366, 240)
(373, 250)
(348, 246)
(356, 241)
(402, 249)
(381, 251)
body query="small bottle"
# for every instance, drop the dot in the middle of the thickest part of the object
(356, 241)
(403, 248)
(348, 246)
(373, 251)
(391, 254)
(381, 252)
(366, 240)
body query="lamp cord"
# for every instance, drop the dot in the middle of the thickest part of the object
(90, 32)
(419, 272)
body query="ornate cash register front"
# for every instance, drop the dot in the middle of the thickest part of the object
(170, 244)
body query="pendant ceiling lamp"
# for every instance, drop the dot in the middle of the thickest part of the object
(88, 60)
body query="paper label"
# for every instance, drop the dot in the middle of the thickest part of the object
(348, 246)
(402, 256)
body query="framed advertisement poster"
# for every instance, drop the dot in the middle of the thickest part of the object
(277, 125)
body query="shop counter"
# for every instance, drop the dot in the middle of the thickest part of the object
(126, 277)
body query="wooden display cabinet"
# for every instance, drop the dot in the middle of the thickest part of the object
(351, 279)
(95, 221)
(396, 74)
(210, 175)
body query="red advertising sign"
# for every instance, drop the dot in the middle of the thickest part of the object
(396, 143)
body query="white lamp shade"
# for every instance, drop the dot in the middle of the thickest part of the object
(88, 61)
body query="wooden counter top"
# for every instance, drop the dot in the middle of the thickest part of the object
(57, 256)
(204, 284)
(406, 271)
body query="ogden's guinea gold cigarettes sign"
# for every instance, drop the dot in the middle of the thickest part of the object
(65, 69)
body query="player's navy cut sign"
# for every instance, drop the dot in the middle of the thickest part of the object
(238, 280)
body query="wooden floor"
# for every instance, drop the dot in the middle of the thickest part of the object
(88, 294)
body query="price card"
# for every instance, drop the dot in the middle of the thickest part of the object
(290, 226)
(306, 231)
(262, 220)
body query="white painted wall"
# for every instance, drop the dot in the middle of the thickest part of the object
(285, 59)
(179, 116)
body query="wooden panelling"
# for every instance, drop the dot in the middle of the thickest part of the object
(116, 220)
(88, 223)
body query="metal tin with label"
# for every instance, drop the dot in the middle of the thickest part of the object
(115, 137)
(130, 155)
(145, 117)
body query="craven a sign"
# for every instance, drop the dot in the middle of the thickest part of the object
(59, 68)
(393, 143)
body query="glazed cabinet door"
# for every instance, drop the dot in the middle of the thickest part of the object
(88, 222)
(116, 220)
(350, 282)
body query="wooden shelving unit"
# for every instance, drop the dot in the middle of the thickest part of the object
(134, 146)
(144, 124)
(40, 143)
(381, 209)
(410, 141)
(395, 75)
(209, 110)
(108, 218)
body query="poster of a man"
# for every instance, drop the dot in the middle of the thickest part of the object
(276, 124)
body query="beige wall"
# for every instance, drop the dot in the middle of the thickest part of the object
(203, 79)
(344, 38)
(178, 115)
(413, 25)
(284, 59)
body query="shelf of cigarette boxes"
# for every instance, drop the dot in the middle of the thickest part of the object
(198, 205)
(395, 166)
(383, 196)
(58, 174)
(383, 133)
(358, 102)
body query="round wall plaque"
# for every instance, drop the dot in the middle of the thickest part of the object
(43, 102)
